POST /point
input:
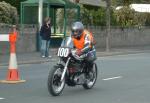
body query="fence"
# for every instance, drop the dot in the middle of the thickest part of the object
(26, 39)
(120, 37)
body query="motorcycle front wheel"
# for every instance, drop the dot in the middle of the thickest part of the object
(91, 77)
(54, 83)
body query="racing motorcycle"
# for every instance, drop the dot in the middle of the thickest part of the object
(71, 69)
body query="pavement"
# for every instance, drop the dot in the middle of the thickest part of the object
(34, 57)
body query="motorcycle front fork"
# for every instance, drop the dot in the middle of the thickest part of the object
(65, 69)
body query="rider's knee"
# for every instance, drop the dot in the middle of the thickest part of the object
(91, 57)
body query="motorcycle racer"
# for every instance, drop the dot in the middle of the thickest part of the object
(76, 65)
(83, 42)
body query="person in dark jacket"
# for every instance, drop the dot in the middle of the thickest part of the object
(45, 34)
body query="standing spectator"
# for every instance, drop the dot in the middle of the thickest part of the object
(45, 34)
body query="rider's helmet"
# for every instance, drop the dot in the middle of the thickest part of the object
(77, 29)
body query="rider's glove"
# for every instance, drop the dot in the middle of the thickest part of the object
(78, 52)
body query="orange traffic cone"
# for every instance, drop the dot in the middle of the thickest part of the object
(13, 74)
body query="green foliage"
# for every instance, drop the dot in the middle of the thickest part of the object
(113, 18)
(85, 15)
(99, 16)
(15, 3)
(147, 19)
(128, 2)
(71, 16)
(93, 16)
(8, 13)
(128, 17)
(142, 1)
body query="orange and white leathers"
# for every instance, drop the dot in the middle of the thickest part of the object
(85, 45)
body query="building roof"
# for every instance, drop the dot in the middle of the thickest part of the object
(141, 7)
(66, 3)
(70, 4)
(94, 2)
(138, 7)
(45, 1)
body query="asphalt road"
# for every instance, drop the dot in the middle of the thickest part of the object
(121, 79)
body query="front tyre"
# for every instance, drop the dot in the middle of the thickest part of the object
(54, 83)
(91, 77)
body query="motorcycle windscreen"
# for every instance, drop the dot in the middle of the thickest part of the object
(67, 42)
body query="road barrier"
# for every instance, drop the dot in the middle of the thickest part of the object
(13, 73)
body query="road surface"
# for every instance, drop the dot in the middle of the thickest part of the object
(121, 79)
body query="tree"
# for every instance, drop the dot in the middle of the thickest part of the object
(128, 2)
(108, 25)
(93, 15)
(141, 1)
(127, 17)
(8, 13)
(15, 3)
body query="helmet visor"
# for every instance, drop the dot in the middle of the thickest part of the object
(76, 33)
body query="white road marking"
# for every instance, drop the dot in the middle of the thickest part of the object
(113, 78)
(1, 98)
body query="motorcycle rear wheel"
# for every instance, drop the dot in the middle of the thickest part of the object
(54, 83)
(91, 77)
